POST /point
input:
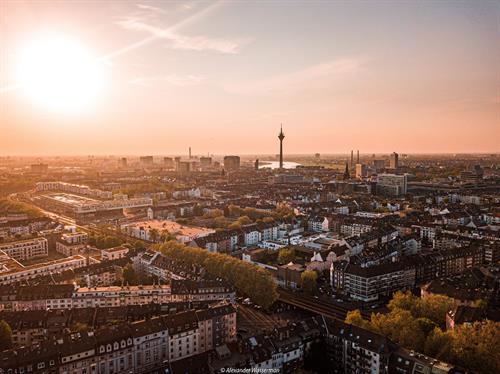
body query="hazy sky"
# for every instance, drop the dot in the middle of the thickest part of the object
(405, 76)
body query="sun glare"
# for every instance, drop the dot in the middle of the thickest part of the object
(59, 74)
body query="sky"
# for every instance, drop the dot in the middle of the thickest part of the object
(158, 77)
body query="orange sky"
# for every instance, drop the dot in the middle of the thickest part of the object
(221, 77)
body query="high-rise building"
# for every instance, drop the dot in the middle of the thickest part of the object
(168, 162)
(231, 162)
(205, 162)
(352, 159)
(360, 171)
(39, 168)
(394, 162)
(281, 136)
(392, 184)
(146, 160)
(256, 165)
(357, 157)
(379, 164)
(123, 162)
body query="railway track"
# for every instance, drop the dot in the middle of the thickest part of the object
(318, 306)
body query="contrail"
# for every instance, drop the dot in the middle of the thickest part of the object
(138, 44)
(151, 38)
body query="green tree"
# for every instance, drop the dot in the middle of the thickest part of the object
(5, 335)
(129, 275)
(286, 255)
(309, 280)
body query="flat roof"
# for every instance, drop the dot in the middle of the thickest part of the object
(172, 227)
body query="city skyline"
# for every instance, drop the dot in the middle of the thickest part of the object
(158, 77)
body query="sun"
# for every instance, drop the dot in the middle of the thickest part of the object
(59, 74)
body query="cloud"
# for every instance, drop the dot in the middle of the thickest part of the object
(150, 8)
(297, 80)
(184, 42)
(172, 79)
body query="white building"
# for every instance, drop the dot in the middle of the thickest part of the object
(26, 249)
(392, 184)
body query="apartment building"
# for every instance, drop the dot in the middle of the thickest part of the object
(371, 283)
(72, 244)
(392, 184)
(137, 347)
(11, 271)
(114, 296)
(67, 296)
(114, 253)
(23, 250)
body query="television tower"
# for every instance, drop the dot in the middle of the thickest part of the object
(281, 136)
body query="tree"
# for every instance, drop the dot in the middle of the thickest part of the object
(286, 255)
(79, 327)
(154, 235)
(354, 317)
(129, 275)
(438, 344)
(244, 220)
(433, 307)
(247, 278)
(309, 280)
(104, 242)
(5, 335)
(234, 226)
(481, 303)
(477, 346)
(400, 326)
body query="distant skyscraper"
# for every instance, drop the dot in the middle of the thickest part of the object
(231, 162)
(123, 162)
(360, 171)
(357, 157)
(146, 160)
(281, 136)
(189, 152)
(394, 162)
(39, 168)
(379, 164)
(392, 184)
(168, 162)
(205, 162)
(352, 159)
(256, 165)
